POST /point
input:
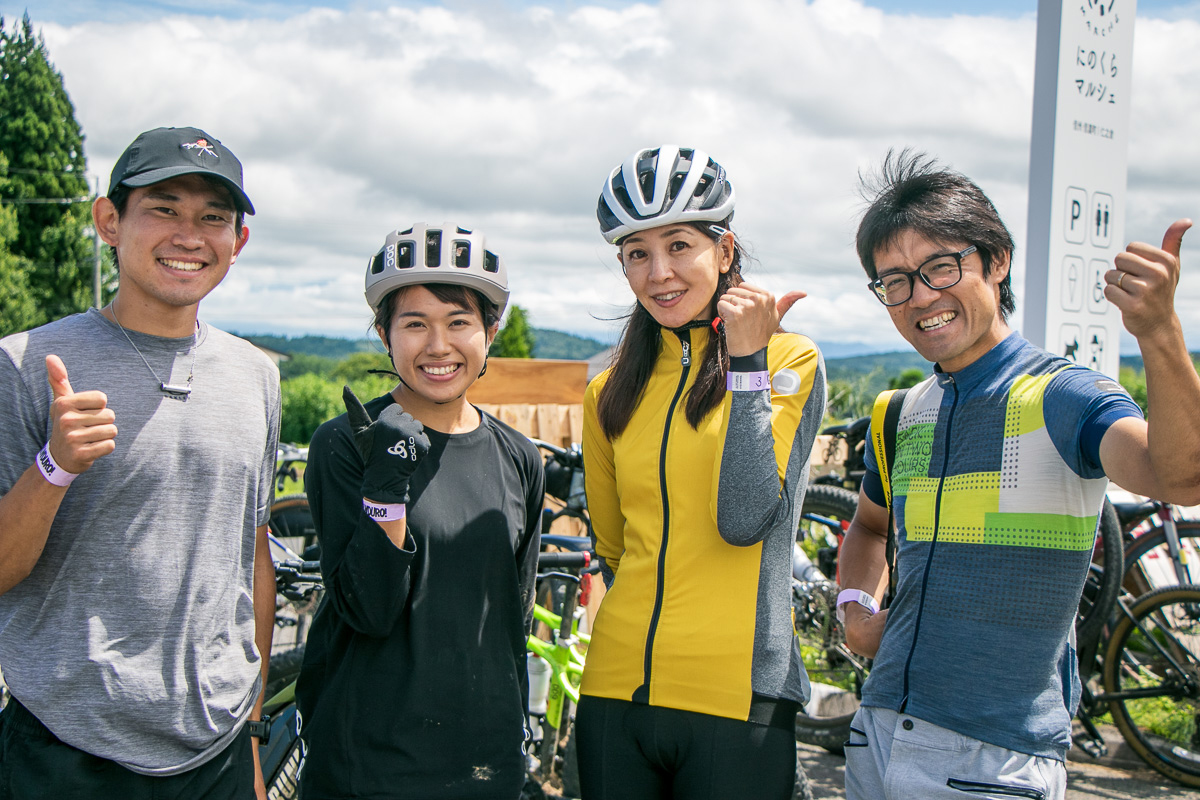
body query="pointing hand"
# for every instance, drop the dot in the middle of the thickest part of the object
(391, 446)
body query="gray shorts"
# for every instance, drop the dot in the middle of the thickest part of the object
(893, 756)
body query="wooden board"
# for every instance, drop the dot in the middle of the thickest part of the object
(530, 380)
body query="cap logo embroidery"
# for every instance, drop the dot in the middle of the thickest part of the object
(202, 145)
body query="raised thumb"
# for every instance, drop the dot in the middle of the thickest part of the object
(56, 373)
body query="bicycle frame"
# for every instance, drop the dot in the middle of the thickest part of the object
(565, 660)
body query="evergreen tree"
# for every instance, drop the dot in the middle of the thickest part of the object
(515, 339)
(43, 144)
(18, 311)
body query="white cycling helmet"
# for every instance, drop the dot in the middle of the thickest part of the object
(436, 254)
(662, 185)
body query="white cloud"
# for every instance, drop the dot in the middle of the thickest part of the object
(353, 122)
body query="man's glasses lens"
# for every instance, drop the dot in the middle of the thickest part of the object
(939, 272)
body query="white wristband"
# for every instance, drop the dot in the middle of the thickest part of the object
(855, 596)
(384, 512)
(747, 381)
(51, 471)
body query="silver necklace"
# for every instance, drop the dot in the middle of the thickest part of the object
(173, 390)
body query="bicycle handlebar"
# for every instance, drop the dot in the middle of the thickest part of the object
(574, 560)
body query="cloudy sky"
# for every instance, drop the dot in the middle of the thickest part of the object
(356, 118)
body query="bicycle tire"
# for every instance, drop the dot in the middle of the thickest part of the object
(570, 767)
(281, 766)
(291, 518)
(283, 669)
(1136, 572)
(1099, 597)
(830, 503)
(1162, 728)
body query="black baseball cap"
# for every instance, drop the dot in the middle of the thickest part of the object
(168, 152)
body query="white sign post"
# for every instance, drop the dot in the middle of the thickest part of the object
(1077, 175)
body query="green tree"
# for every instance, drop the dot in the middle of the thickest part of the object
(308, 401)
(1134, 381)
(47, 173)
(907, 379)
(515, 339)
(18, 310)
(356, 367)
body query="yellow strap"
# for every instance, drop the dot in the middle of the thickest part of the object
(878, 412)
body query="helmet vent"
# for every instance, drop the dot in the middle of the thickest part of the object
(462, 253)
(377, 262)
(404, 256)
(490, 262)
(433, 249)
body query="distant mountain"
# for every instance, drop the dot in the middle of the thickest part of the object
(323, 346)
(547, 344)
(556, 344)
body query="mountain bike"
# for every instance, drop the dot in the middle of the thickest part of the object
(836, 674)
(282, 752)
(1161, 550)
(555, 664)
(854, 436)
(1152, 680)
(1145, 677)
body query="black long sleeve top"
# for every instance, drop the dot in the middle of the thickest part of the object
(414, 681)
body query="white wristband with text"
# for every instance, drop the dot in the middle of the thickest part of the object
(384, 512)
(51, 471)
(747, 381)
(855, 596)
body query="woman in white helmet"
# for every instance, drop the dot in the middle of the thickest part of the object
(428, 512)
(696, 448)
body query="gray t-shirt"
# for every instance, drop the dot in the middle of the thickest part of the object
(133, 637)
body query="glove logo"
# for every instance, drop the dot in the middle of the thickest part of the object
(405, 449)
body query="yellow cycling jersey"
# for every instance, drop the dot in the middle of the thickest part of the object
(697, 527)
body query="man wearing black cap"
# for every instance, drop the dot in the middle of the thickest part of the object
(136, 473)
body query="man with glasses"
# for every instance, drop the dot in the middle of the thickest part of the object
(1002, 457)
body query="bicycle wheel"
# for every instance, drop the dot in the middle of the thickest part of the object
(283, 756)
(825, 515)
(1148, 560)
(291, 519)
(1152, 672)
(1100, 590)
(836, 674)
(283, 670)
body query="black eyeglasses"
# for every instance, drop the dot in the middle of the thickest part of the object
(939, 272)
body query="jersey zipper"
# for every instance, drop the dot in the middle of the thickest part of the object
(937, 516)
(642, 693)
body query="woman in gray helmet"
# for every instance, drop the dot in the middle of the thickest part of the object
(696, 448)
(428, 512)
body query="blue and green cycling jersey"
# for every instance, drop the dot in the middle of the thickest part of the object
(997, 487)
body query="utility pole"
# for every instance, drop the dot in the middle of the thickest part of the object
(99, 253)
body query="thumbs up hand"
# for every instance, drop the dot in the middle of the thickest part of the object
(82, 425)
(1142, 283)
(751, 315)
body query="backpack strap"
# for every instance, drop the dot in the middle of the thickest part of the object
(885, 419)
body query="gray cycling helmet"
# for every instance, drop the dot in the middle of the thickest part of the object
(662, 185)
(436, 254)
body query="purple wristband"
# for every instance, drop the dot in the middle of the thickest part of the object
(747, 381)
(384, 512)
(51, 471)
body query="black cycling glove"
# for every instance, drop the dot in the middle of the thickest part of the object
(391, 447)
